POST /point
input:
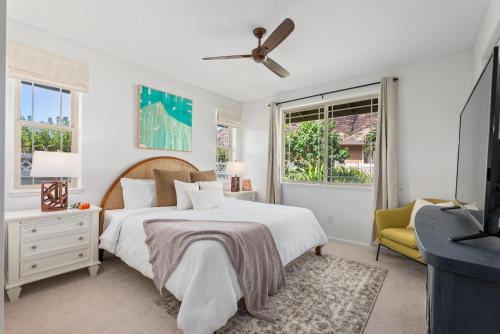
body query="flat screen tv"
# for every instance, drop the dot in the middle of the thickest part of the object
(478, 168)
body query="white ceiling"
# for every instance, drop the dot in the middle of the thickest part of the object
(333, 39)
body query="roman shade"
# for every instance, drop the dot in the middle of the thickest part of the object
(31, 64)
(228, 118)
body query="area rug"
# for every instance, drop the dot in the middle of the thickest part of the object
(324, 294)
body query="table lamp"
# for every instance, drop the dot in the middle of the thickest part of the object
(235, 169)
(54, 194)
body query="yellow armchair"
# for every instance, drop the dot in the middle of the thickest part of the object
(392, 233)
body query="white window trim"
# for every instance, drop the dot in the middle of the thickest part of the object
(329, 185)
(324, 105)
(31, 190)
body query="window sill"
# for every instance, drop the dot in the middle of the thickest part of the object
(36, 192)
(352, 186)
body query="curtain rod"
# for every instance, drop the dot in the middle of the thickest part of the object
(330, 92)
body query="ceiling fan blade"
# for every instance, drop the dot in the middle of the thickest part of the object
(227, 57)
(278, 35)
(275, 67)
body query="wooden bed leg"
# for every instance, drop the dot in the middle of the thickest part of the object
(101, 255)
(319, 250)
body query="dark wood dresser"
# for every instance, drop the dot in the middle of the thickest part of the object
(463, 280)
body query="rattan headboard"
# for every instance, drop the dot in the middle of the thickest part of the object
(113, 198)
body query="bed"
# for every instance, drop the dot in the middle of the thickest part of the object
(204, 280)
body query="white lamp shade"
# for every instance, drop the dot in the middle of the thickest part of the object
(235, 168)
(55, 164)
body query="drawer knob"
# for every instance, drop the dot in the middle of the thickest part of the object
(59, 218)
(80, 254)
(33, 247)
(80, 223)
(33, 266)
(34, 230)
(80, 238)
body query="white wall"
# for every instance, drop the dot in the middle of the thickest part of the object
(3, 11)
(109, 115)
(488, 37)
(431, 95)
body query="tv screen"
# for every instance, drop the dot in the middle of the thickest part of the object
(477, 145)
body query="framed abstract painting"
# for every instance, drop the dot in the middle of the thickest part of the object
(165, 120)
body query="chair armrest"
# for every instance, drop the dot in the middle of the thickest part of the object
(393, 218)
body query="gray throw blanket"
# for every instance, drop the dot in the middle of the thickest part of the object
(250, 247)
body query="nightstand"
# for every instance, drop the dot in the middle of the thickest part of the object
(44, 244)
(243, 195)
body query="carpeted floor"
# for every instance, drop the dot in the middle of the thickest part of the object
(121, 300)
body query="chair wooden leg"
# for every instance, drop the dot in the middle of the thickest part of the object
(378, 251)
(319, 250)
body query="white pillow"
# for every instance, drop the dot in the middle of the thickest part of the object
(211, 185)
(419, 203)
(138, 193)
(182, 190)
(207, 199)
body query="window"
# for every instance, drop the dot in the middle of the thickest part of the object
(227, 141)
(46, 120)
(331, 143)
(226, 150)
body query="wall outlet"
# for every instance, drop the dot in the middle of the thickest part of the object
(329, 220)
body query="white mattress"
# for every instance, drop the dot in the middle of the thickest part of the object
(205, 280)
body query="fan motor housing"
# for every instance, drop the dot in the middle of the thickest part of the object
(258, 54)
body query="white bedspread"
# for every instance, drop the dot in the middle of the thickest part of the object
(205, 280)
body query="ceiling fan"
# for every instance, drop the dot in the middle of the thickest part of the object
(259, 54)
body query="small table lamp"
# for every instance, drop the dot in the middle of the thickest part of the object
(235, 169)
(54, 194)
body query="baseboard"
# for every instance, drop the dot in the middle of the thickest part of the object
(348, 241)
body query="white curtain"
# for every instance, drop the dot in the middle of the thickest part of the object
(28, 63)
(274, 156)
(385, 181)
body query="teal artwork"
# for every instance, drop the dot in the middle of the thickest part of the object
(165, 120)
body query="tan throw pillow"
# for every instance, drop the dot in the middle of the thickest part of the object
(203, 176)
(419, 204)
(165, 189)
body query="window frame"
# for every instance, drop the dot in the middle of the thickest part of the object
(19, 124)
(319, 105)
(233, 143)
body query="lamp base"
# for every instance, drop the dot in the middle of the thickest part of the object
(235, 184)
(54, 195)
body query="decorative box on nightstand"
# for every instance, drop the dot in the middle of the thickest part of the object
(243, 195)
(44, 244)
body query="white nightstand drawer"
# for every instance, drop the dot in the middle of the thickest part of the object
(50, 262)
(247, 196)
(33, 247)
(29, 230)
(242, 195)
(40, 245)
